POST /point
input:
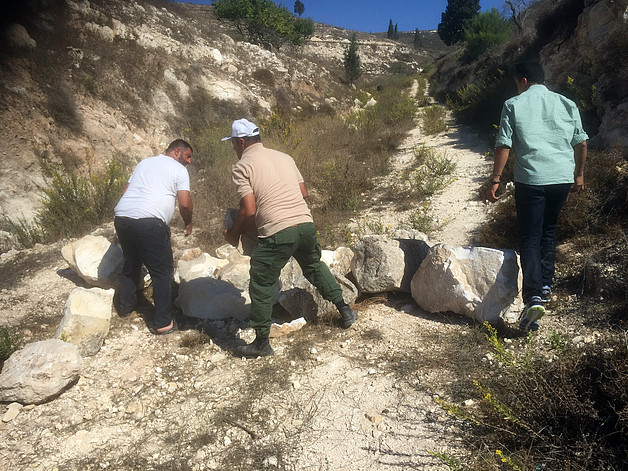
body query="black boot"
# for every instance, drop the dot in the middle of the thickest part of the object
(349, 316)
(260, 347)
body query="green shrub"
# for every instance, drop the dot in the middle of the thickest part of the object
(422, 219)
(73, 204)
(433, 119)
(8, 344)
(264, 22)
(486, 30)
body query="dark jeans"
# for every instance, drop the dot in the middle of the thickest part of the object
(537, 212)
(270, 255)
(146, 241)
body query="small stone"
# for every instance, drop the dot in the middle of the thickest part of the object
(374, 417)
(296, 384)
(372, 371)
(313, 351)
(12, 412)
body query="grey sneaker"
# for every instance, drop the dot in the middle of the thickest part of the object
(260, 347)
(546, 294)
(531, 314)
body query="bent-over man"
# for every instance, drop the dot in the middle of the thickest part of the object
(272, 192)
(550, 147)
(141, 220)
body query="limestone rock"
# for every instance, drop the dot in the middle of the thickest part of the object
(382, 264)
(477, 282)
(39, 372)
(236, 273)
(208, 298)
(203, 266)
(287, 328)
(87, 319)
(300, 298)
(96, 260)
(338, 260)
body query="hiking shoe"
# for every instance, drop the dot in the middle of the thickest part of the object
(531, 314)
(349, 316)
(546, 294)
(260, 347)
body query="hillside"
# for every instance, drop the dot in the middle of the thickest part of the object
(84, 81)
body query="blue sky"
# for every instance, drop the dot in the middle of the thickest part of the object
(372, 16)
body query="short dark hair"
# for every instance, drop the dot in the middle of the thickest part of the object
(531, 70)
(178, 144)
(252, 139)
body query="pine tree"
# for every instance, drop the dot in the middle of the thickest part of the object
(417, 38)
(396, 34)
(299, 8)
(456, 18)
(352, 62)
(391, 30)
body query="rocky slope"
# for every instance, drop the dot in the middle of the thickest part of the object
(83, 81)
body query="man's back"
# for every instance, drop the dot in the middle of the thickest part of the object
(274, 179)
(542, 127)
(153, 188)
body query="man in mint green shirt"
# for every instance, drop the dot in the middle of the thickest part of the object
(550, 146)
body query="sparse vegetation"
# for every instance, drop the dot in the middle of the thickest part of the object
(72, 204)
(433, 119)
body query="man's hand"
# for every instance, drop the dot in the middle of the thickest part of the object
(491, 191)
(188, 229)
(578, 184)
(231, 238)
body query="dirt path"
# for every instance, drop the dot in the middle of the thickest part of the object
(330, 399)
(457, 209)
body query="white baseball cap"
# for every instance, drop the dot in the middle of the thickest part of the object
(242, 128)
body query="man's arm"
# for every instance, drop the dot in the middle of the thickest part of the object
(499, 162)
(580, 155)
(185, 209)
(303, 189)
(245, 217)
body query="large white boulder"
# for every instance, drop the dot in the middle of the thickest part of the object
(477, 282)
(39, 372)
(383, 264)
(96, 260)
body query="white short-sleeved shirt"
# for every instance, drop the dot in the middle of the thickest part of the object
(153, 188)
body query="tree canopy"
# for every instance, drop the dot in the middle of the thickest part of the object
(264, 22)
(456, 18)
(486, 30)
(299, 8)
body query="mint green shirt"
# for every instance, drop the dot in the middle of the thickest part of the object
(543, 127)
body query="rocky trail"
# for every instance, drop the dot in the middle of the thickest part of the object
(330, 399)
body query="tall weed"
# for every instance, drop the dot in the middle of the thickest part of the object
(434, 119)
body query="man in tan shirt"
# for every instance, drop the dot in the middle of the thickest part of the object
(272, 193)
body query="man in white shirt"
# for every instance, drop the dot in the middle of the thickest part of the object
(141, 220)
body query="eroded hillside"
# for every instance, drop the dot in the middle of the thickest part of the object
(83, 81)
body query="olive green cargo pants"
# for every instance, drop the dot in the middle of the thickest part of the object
(271, 255)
